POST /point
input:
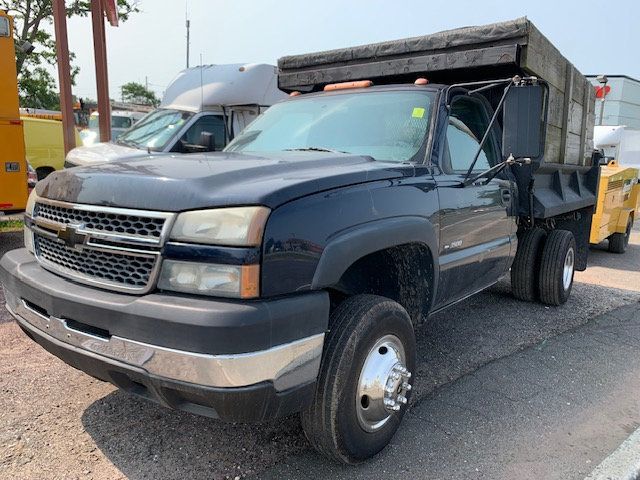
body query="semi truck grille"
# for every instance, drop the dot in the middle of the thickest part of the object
(112, 248)
(111, 268)
(102, 221)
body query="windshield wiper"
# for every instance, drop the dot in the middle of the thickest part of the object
(127, 143)
(314, 149)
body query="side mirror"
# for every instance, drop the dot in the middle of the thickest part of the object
(523, 122)
(207, 141)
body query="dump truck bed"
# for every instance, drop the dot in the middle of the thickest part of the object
(564, 177)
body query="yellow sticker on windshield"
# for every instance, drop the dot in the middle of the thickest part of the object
(418, 112)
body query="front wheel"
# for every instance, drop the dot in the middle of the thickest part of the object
(365, 379)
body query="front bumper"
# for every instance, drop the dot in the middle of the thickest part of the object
(95, 331)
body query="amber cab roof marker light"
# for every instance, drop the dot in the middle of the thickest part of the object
(347, 85)
(421, 81)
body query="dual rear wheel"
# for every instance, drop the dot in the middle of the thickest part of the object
(544, 266)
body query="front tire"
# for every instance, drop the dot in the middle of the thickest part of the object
(557, 267)
(365, 379)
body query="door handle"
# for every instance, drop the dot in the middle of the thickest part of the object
(505, 195)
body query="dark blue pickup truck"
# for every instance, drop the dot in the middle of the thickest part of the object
(287, 273)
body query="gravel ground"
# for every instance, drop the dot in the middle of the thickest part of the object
(56, 422)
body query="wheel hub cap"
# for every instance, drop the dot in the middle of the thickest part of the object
(383, 385)
(567, 273)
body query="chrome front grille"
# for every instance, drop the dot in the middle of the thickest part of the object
(112, 248)
(112, 268)
(139, 226)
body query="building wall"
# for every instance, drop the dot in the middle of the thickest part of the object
(622, 104)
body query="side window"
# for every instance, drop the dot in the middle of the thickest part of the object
(213, 124)
(468, 122)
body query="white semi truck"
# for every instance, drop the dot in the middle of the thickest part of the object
(202, 110)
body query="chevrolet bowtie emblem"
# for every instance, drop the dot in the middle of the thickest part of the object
(70, 236)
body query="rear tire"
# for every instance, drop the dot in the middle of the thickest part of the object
(351, 419)
(618, 242)
(557, 267)
(524, 271)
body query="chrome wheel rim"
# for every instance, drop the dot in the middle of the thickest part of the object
(383, 384)
(567, 272)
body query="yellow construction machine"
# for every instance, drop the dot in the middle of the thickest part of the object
(618, 205)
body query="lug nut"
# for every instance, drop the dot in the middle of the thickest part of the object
(395, 408)
(389, 402)
(402, 399)
(406, 386)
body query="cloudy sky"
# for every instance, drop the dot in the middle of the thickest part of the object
(598, 37)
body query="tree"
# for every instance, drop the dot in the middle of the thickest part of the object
(33, 20)
(136, 93)
(37, 89)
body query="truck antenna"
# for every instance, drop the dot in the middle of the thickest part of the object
(188, 25)
(201, 87)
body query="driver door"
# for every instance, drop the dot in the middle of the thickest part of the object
(475, 228)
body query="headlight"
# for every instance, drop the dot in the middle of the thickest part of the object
(28, 234)
(31, 203)
(237, 281)
(236, 226)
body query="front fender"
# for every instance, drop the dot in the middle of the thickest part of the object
(350, 245)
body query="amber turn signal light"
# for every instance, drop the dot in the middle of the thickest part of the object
(347, 85)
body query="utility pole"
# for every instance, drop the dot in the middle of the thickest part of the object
(64, 75)
(188, 24)
(102, 78)
(603, 80)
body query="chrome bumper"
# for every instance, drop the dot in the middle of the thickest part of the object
(286, 366)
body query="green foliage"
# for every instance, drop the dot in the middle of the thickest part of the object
(37, 89)
(11, 225)
(33, 20)
(136, 93)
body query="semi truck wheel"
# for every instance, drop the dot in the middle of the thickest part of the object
(557, 266)
(618, 242)
(524, 271)
(365, 379)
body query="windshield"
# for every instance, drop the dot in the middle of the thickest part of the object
(155, 130)
(388, 126)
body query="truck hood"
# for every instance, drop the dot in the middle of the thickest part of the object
(187, 182)
(101, 153)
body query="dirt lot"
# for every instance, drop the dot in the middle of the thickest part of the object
(56, 422)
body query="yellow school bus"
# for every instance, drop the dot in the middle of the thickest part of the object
(617, 207)
(13, 164)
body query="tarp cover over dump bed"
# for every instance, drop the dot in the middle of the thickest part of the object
(563, 182)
